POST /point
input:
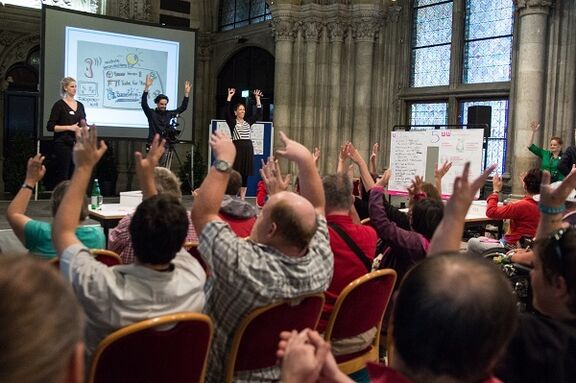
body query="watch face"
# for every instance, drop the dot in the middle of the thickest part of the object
(222, 166)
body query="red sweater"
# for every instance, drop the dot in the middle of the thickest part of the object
(347, 265)
(523, 216)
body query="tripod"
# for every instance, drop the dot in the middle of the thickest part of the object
(169, 155)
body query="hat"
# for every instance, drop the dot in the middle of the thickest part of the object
(554, 185)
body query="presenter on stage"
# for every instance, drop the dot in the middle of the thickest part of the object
(241, 130)
(159, 119)
(65, 120)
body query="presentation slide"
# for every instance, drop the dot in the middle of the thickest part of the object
(110, 59)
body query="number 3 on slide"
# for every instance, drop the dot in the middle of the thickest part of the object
(88, 72)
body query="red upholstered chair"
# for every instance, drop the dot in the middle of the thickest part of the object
(256, 339)
(170, 348)
(360, 307)
(107, 257)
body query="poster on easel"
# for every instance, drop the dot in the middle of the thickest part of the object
(262, 141)
(419, 152)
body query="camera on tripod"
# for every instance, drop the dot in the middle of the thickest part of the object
(171, 134)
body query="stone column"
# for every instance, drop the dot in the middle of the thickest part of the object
(336, 36)
(311, 32)
(363, 30)
(529, 79)
(284, 36)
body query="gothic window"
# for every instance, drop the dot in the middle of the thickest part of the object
(431, 42)
(456, 45)
(487, 41)
(239, 13)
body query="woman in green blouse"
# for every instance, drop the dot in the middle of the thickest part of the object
(548, 158)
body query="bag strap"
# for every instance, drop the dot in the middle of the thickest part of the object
(352, 245)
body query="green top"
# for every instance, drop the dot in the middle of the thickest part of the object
(548, 162)
(38, 238)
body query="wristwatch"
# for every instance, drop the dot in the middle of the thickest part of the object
(26, 186)
(222, 166)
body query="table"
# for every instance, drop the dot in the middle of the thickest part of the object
(109, 215)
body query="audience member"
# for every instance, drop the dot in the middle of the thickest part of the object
(41, 324)
(36, 235)
(549, 159)
(523, 214)
(163, 279)
(288, 254)
(238, 213)
(119, 239)
(449, 329)
(407, 247)
(543, 349)
(567, 161)
(353, 245)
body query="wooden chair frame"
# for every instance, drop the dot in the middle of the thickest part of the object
(239, 333)
(164, 320)
(358, 363)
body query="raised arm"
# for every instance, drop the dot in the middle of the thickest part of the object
(449, 232)
(184, 105)
(272, 177)
(16, 212)
(145, 167)
(552, 203)
(374, 158)
(207, 203)
(439, 173)
(258, 115)
(365, 175)
(230, 119)
(534, 126)
(310, 181)
(87, 153)
(343, 154)
(144, 100)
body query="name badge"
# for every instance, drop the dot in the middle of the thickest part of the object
(71, 112)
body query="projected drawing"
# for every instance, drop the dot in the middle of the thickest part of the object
(112, 76)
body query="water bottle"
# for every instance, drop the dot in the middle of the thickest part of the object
(96, 198)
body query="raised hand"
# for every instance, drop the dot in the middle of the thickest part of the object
(149, 81)
(344, 151)
(88, 150)
(145, 165)
(534, 125)
(223, 147)
(385, 179)
(441, 170)
(463, 192)
(555, 197)
(258, 94)
(416, 186)
(35, 169)
(293, 151)
(375, 149)
(272, 177)
(354, 154)
(231, 93)
(316, 155)
(187, 88)
(497, 183)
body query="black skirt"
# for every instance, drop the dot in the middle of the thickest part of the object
(244, 162)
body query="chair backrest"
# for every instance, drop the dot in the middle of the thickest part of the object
(256, 338)
(170, 348)
(107, 257)
(361, 306)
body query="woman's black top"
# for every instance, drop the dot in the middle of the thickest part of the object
(62, 114)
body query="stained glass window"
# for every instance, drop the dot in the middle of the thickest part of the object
(488, 41)
(239, 13)
(496, 147)
(431, 42)
(428, 114)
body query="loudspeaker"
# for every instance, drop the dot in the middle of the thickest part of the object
(480, 115)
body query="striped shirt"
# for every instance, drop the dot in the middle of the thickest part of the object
(242, 131)
(248, 275)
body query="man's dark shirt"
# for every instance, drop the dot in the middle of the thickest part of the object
(159, 122)
(568, 159)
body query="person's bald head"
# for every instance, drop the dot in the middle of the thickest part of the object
(453, 316)
(287, 219)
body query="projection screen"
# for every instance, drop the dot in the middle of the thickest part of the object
(110, 58)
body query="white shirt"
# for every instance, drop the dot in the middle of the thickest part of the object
(114, 297)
